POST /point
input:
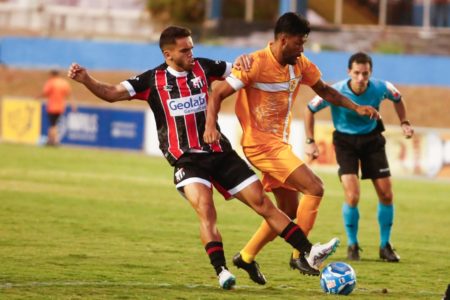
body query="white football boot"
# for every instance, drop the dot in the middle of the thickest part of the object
(226, 279)
(319, 253)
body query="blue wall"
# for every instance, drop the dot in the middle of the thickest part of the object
(137, 57)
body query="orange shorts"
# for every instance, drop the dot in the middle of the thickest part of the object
(276, 161)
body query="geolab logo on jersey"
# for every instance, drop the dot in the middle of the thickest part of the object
(187, 105)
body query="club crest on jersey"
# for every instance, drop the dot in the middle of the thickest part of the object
(187, 105)
(179, 175)
(168, 87)
(293, 84)
(197, 82)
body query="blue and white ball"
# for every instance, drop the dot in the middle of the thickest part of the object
(338, 278)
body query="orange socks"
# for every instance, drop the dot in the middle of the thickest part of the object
(306, 217)
(262, 236)
(307, 212)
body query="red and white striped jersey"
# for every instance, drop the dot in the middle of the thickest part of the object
(178, 101)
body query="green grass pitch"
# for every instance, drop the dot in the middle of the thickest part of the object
(96, 224)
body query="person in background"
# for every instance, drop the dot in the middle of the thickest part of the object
(57, 91)
(359, 143)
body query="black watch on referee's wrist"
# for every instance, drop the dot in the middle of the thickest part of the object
(309, 140)
(405, 122)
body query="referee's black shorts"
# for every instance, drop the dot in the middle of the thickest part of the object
(367, 151)
(227, 171)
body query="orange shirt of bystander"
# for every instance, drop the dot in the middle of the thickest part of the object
(56, 90)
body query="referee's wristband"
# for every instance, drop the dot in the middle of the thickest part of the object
(405, 122)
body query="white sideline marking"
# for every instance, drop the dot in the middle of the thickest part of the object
(93, 283)
(128, 284)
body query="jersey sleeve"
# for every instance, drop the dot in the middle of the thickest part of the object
(240, 78)
(310, 72)
(317, 104)
(215, 69)
(392, 93)
(139, 86)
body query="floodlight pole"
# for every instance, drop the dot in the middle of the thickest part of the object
(426, 14)
(426, 31)
(383, 13)
(338, 12)
(249, 10)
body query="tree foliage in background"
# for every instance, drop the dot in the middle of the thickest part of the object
(186, 11)
(193, 11)
(265, 10)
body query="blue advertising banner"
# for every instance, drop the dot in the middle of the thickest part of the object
(99, 127)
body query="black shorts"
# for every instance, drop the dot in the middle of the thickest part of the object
(227, 171)
(53, 118)
(367, 150)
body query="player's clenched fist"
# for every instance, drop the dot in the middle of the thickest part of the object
(211, 135)
(77, 72)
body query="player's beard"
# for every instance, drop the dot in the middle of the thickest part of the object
(185, 64)
(292, 60)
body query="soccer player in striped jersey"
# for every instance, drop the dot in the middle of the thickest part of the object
(264, 102)
(177, 92)
(359, 142)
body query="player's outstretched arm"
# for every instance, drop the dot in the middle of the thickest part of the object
(222, 90)
(333, 96)
(103, 90)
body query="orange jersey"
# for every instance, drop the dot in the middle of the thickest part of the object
(266, 95)
(56, 90)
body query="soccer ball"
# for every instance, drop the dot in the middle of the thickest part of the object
(338, 278)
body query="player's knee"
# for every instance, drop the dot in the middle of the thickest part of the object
(352, 198)
(386, 197)
(206, 211)
(316, 188)
(263, 205)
